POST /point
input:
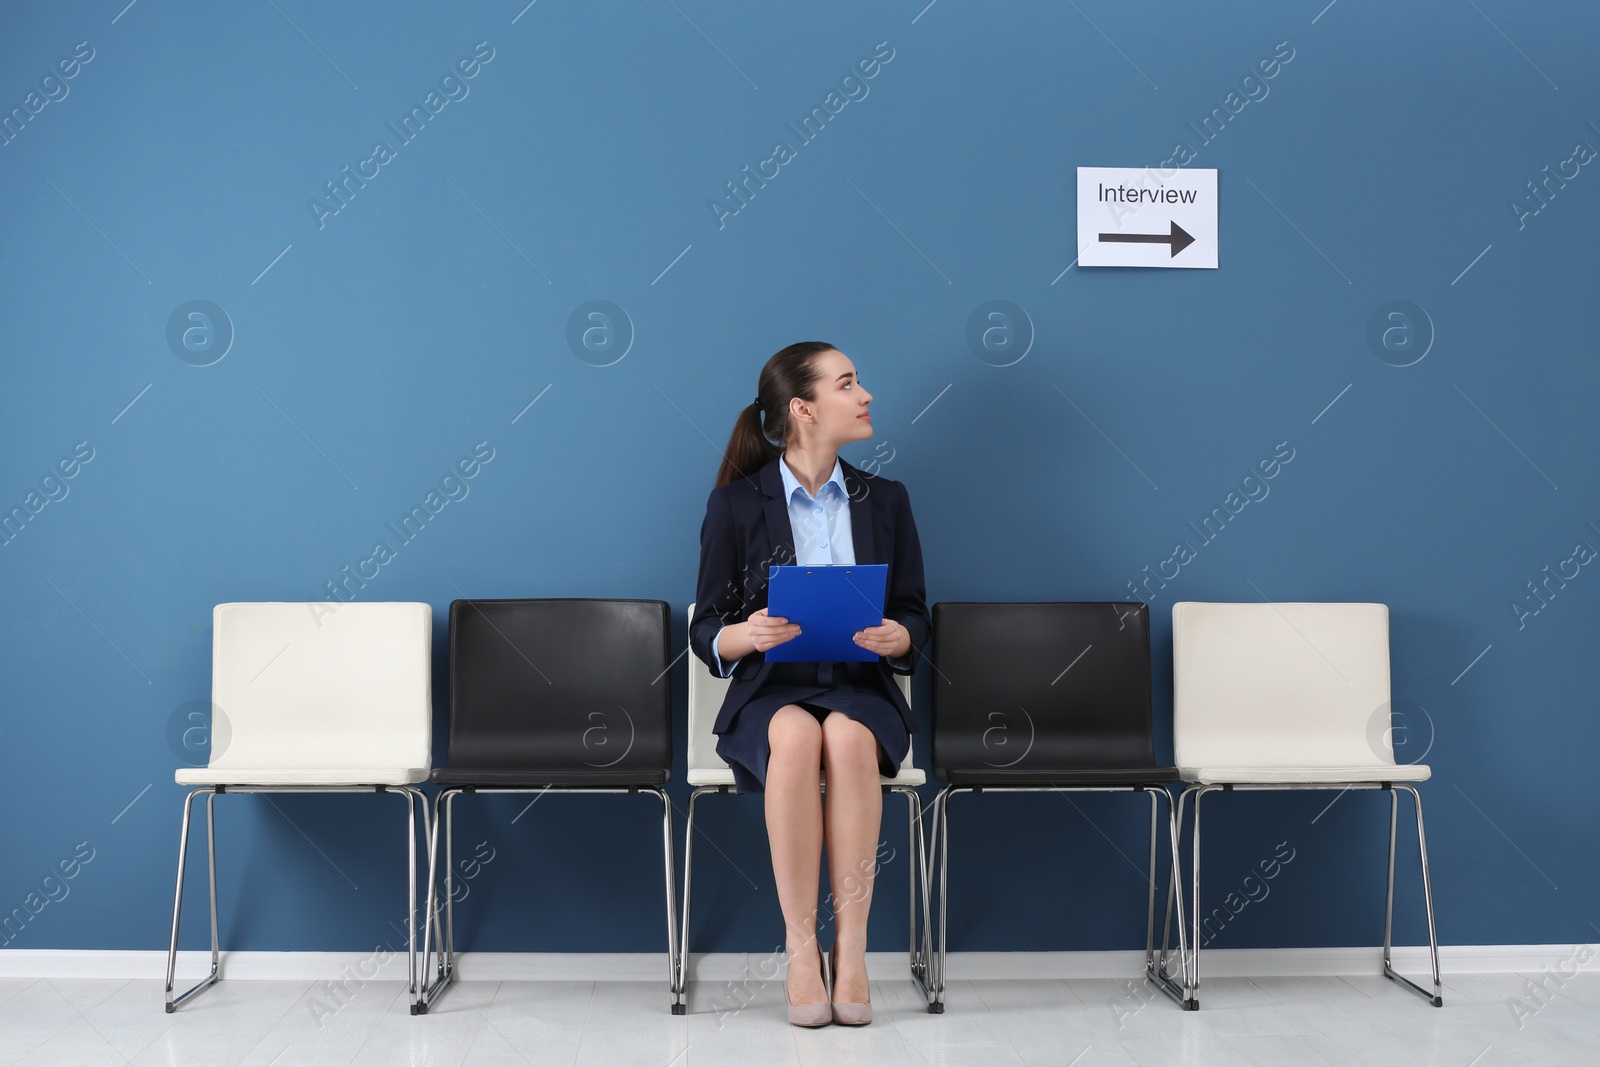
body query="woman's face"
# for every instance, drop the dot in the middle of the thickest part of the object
(839, 413)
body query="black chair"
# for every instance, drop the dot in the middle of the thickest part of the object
(1047, 697)
(569, 695)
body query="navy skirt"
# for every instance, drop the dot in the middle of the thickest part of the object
(853, 688)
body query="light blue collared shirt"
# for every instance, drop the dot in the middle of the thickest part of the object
(821, 525)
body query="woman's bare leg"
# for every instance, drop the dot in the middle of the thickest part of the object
(794, 831)
(853, 813)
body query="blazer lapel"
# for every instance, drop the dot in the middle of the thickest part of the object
(779, 533)
(858, 491)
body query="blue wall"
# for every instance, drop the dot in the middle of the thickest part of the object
(377, 340)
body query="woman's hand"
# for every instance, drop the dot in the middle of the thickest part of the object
(766, 631)
(889, 639)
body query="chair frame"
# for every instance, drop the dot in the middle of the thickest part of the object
(1155, 968)
(920, 950)
(416, 808)
(444, 811)
(1191, 978)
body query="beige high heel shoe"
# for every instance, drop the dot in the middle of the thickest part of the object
(809, 1015)
(847, 1012)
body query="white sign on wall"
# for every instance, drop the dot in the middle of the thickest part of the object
(1144, 217)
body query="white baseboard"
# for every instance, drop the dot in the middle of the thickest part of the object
(729, 966)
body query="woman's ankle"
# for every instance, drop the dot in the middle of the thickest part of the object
(806, 949)
(848, 944)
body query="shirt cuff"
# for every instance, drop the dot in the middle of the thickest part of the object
(722, 671)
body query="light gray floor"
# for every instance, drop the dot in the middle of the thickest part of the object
(63, 1023)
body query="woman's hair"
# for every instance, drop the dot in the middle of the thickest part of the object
(791, 372)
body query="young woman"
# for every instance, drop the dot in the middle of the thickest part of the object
(783, 496)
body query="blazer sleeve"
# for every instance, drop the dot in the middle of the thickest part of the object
(719, 596)
(907, 603)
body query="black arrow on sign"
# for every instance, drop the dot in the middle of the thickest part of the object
(1178, 238)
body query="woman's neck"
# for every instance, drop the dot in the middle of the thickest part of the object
(811, 468)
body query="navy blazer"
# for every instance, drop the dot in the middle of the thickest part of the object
(746, 529)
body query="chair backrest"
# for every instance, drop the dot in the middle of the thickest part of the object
(1266, 685)
(706, 691)
(1059, 685)
(321, 685)
(560, 684)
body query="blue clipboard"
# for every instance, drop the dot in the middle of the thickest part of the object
(830, 603)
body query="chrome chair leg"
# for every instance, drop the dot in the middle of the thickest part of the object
(688, 888)
(1388, 901)
(1175, 833)
(1192, 995)
(432, 926)
(429, 920)
(1150, 910)
(920, 945)
(1189, 960)
(911, 871)
(941, 832)
(1156, 967)
(1427, 894)
(177, 901)
(1166, 918)
(1175, 902)
(441, 916)
(411, 894)
(1435, 998)
(674, 969)
(925, 869)
(1175, 898)
(436, 926)
(450, 884)
(420, 1007)
(211, 874)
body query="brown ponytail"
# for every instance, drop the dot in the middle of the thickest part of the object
(791, 372)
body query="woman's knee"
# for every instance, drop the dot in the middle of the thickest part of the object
(844, 738)
(794, 731)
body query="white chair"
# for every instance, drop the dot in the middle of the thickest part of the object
(709, 773)
(1289, 696)
(313, 698)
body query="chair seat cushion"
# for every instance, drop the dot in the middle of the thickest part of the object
(1381, 772)
(699, 776)
(1097, 776)
(339, 776)
(535, 777)
(708, 777)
